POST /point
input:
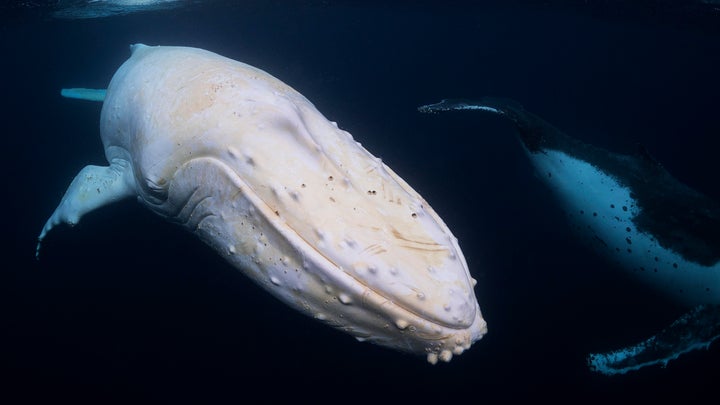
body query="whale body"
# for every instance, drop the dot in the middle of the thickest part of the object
(635, 214)
(251, 167)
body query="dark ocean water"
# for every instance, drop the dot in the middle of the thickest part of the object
(128, 308)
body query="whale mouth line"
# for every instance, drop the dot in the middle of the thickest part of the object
(383, 297)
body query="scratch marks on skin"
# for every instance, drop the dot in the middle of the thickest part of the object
(389, 195)
(374, 249)
(430, 246)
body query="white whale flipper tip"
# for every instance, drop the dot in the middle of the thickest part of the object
(92, 188)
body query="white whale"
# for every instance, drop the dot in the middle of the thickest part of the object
(250, 166)
(638, 216)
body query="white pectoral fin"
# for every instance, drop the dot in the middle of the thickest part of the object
(694, 330)
(84, 94)
(93, 187)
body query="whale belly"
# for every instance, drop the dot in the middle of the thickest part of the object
(602, 211)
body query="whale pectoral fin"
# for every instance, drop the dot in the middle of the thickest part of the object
(496, 106)
(84, 94)
(694, 330)
(93, 187)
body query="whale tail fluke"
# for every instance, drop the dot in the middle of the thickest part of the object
(84, 94)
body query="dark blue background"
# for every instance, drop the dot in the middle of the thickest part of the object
(126, 307)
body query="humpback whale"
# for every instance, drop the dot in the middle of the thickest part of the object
(631, 210)
(250, 166)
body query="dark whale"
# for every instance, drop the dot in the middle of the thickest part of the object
(636, 214)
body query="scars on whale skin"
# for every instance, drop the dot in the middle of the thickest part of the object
(248, 164)
(635, 213)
